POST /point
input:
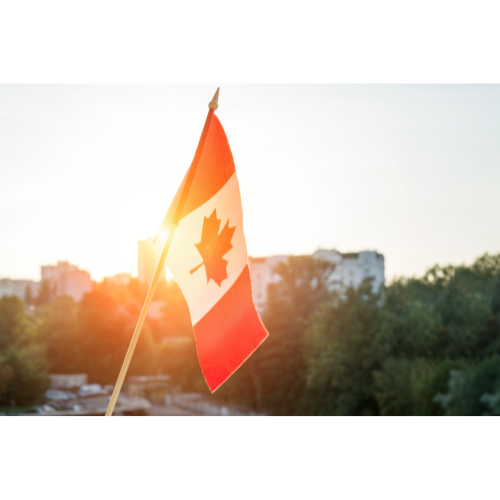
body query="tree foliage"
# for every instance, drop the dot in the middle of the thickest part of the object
(23, 366)
(274, 377)
(392, 353)
(419, 346)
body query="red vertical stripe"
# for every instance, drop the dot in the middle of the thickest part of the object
(229, 332)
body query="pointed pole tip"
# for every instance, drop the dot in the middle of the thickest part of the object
(214, 103)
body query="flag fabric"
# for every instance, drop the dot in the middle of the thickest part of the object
(208, 259)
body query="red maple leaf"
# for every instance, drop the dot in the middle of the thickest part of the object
(213, 246)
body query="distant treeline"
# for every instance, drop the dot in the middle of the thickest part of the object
(427, 346)
(92, 337)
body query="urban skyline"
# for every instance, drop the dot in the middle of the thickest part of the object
(66, 278)
(89, 170)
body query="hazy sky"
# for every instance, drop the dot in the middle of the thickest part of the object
(410, 171)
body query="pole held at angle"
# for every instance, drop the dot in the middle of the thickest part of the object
(213, 105)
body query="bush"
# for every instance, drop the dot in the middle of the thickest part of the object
(469, 394)
(29, 374)
(400, 386)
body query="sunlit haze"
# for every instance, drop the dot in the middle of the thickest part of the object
(410, 171)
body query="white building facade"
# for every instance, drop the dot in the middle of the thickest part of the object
(350, 271)
(18, 287)
(62, 381)
(261, 272)
(64, 278)
(67, 279)
(352, 268)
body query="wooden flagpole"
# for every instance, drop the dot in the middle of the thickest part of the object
(213, 105)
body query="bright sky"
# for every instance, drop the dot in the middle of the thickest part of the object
(410, 171)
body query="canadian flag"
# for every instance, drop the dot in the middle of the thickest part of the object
(208, 259)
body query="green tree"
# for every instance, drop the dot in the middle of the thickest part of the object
(437, 385)
(13, 323)
(5, 376)
(58, 329)
(29, 374)
(28, 296)
(23, 371)
(392, 354)
(345, 348)
(178, 358)
(467, 395)
(273, 378)
(102, 336)
(400, 386)
(46, 294)
(103, 333)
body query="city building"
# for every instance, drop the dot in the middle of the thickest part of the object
(147, 261)
(350, 271)
(67, 279)
(18, 287)
(261, 271)
(63, 381)
(352, 268)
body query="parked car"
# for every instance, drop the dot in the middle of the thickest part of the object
(90, 390)
(41, 410)
(57, 395)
